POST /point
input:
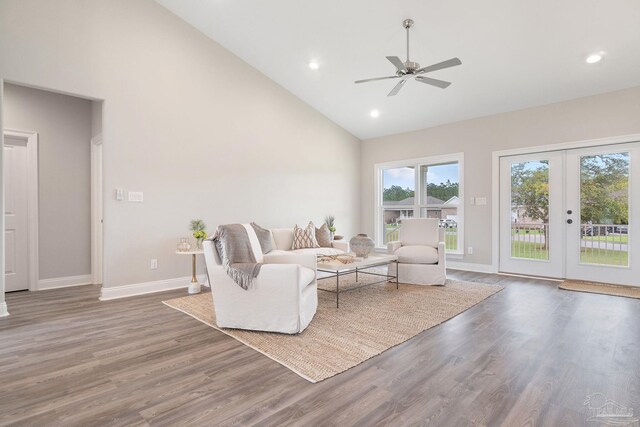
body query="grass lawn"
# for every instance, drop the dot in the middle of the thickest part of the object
(450, 236)
(530, 250)
(612, 238)
(451, 239)
(391, 233)
(604, 257)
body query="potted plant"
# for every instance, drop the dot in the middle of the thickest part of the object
(330, 221)
(197, 227)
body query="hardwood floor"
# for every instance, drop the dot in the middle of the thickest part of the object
(529, 355)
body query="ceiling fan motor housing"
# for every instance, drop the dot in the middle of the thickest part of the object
(411, 66)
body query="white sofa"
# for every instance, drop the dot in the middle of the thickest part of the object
(284, 297)
(421, 252)
(282, 241)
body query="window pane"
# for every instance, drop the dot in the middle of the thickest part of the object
(530, 210)
(440, 186)
(604, 209)
(398, 186)
(398, 198)
(392, 221)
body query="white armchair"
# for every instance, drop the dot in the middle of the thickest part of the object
(421, 252)
(284, 297)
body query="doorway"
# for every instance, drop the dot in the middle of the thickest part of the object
(570, 214)
(64, 181)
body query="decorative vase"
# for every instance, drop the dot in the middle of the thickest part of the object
(362, 245)
(184, 245)
(199, 244)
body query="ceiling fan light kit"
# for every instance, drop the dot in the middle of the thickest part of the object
(408, 69)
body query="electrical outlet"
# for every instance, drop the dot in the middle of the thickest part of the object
(136, 196)
(154, 264)
(470, 250)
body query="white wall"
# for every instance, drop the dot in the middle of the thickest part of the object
(63, 124)
(612, 114)
(200, 132)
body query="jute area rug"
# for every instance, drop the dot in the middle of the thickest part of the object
(601, 288)
(369, 321)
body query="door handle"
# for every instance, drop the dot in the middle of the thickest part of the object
(569, 221)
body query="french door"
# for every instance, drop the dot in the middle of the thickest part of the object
(570, 214)
(531, 202)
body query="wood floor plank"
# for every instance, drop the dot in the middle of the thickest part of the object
(530, 354)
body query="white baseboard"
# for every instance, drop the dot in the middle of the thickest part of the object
(147, 287)
(64, 282)
(4, 311)
(468, 266)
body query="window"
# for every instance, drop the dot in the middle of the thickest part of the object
(427, 188)
(398, 199)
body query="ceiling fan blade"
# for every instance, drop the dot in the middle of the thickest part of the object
(440, 65)
(397, 62)
(377, 78)
(433, 82)
(397, 88)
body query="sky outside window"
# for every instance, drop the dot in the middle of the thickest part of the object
(405, 178)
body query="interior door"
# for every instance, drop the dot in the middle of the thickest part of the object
(603, 210)
(531, 203)
(15, 215)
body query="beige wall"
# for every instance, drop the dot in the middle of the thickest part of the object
(200, 132)
(63, 124)
(612, 114)
(96, 118)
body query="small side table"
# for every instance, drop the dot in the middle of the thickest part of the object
(194, 287)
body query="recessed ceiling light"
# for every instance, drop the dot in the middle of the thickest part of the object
(593, 58)
(374, 113)
(314, 65)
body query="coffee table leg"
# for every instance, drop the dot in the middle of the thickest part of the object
(356, 274)
(397, 280)
(337, 290)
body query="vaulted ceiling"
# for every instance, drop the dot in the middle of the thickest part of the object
(515, 54)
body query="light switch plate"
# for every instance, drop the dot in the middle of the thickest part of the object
(481, 200)
(136, 196)
(472, 200)
(119, 194)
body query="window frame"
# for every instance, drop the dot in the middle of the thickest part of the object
(417, 163)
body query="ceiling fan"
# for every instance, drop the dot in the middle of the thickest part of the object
(411, 70)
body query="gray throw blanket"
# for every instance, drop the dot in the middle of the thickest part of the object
(234, 248)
